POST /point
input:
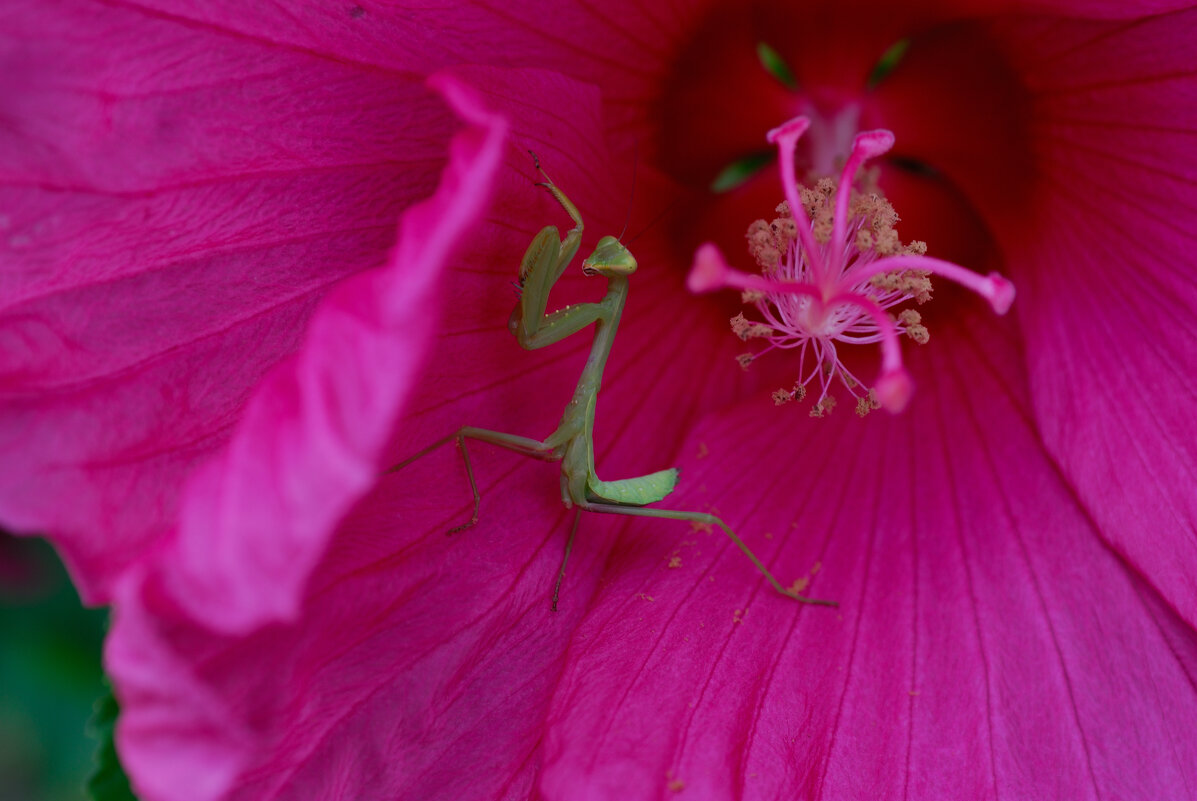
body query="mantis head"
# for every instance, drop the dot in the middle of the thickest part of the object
(610, 258)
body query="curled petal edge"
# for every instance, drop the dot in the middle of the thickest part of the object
(256, 519)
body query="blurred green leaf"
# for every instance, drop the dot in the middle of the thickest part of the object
(108, 782)
(50, 675)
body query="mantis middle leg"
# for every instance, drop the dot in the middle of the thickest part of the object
(513, 442)
(569, 544)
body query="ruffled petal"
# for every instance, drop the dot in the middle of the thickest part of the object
(987, 644)
(256, 519)
(174, 203)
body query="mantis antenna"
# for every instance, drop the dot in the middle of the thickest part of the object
(632, 194)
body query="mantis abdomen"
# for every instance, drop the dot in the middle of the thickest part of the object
(639, 491)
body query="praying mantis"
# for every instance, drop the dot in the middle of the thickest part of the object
(572, 443)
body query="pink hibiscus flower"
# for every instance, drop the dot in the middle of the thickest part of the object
(200, 418)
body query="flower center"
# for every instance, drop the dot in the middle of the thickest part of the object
(832, 266)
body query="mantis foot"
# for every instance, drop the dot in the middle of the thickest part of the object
(458, 529)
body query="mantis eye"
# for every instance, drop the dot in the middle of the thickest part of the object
(610, 257)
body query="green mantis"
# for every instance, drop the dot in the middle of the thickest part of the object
(572, 443)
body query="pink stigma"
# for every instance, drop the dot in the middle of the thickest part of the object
(894, 390)
(709, 271)
(831, 267)
(1001, 293)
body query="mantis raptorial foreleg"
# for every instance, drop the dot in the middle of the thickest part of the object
(572, 443)
(543, 264)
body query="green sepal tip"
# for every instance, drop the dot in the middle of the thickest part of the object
(888, 62)
(776, 66)
(739, 172)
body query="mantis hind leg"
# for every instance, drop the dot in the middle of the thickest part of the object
(512, 442)
(569, 545)
(705, 519)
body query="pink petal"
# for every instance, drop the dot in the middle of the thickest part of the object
(987, 644)
(175, 203)
(421, 668)
(1110, 293)
(1085, 178)
(625, 46)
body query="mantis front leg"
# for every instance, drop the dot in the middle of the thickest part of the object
(544, 262)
